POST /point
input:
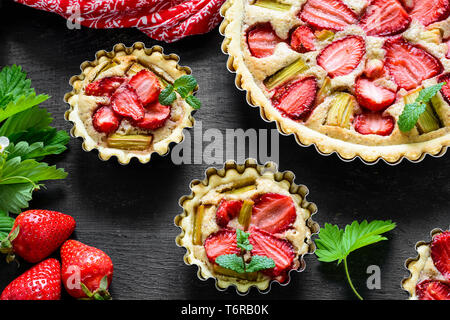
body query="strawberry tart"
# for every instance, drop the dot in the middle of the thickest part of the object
(430, 272)
(115, 104)
(338, 73)
(246, 225)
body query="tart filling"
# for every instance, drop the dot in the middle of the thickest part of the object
(115, 107)
(430, 273)
(258, 205)
(338, 73)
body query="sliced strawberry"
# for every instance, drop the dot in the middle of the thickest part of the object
(440, 253)
(374, 69)
(147, 86)
(227, 210)
(374, 123)
(445, 91)
(155, 116)
(407, 4)
(433, 290)
(220, 243)
(262, 40)
(342, 56)
(105, 120)
(373, 96)
(273, 213)
(409, 64)
(281, 251)
(296, 99)
(302, 39)
(430, 11)
(125, 102)
(104, 87)
(385, 18)
(328, 14)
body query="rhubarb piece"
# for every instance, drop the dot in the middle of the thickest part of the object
(385, 18)
(129, 142)
(197, 233)
(126, 103)
(273, 213)
(268, 245)
(243, 189)
(105, 120)
(104, 86)
(445, 91)
(328, 14)
(433, 290)
(249, 276)
(433, 36)
(374, 123)
(262, 41)
(372, 96)
(428, 121)
(440, 253)
(302, 39)
(342, 56)
(296, 99)
(430, 11)
(324, 35)
(374, 68)
(155, 116)
(227, 210)
(273, 5)
(324, 91)
(409, 64)
(341, 110)
(147, 86)
(220, 243)
(245, 214)
(285, 74)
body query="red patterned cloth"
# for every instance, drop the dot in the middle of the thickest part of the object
(165, 20)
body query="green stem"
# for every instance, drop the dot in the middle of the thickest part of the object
(20, 178)
(350, 280)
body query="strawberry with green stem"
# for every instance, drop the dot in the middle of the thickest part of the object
(86, 271)
(336, 244)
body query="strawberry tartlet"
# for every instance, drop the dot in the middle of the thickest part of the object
(430, 272)
(338, 73)
(115, 104)
(246, 225)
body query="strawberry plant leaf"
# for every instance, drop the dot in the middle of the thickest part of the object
(14, 197)
(336, 244)
(21, 104)
(13, 84)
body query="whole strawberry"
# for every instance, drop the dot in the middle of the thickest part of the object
(41, 282)
(36, 234)
(86, 271)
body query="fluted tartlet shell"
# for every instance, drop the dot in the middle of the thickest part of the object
(213, 173)
(124, 156)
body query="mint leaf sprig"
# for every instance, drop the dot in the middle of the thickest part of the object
(238, 264)
(336, 244)
(185, 86)
(413, 111)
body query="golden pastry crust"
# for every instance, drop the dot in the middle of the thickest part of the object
(347, 143)
(421, 267)
(118, 62)
(214, 187)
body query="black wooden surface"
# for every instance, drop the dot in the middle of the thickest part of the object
(128, 211)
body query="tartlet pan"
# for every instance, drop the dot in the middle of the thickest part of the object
(215, 177)
(153, 58)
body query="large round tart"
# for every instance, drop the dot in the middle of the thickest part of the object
(338, 73)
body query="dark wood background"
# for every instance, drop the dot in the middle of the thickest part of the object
(128, 211)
